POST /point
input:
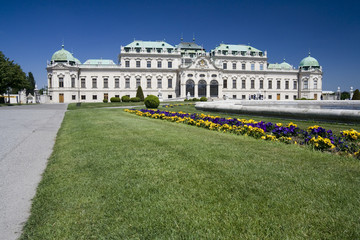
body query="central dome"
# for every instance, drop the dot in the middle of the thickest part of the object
(64, 56)
(309, 62)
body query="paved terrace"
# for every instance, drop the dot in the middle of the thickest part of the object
(27, 136)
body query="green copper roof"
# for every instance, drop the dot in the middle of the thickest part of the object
(149, 44)
(285, 65)
(62, 56)
(99, 62)
(189, 45)
(309, 62)
(238, 48)
(282, 66)
(77, 61)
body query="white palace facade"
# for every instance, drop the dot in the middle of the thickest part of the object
(232, 71)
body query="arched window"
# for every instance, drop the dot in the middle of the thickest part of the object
(202, 88)
(214, 88)
(190, 87)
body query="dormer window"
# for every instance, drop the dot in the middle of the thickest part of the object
(137, 50)
(158, 50)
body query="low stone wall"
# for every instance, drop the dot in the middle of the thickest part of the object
(313, 110)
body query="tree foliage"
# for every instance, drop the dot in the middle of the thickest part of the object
(31, 82)
(12, 76)
(345, 95)
(356, 95)
(140, 93)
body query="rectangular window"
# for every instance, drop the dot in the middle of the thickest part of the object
(61, 82)
(94, 85)
(243, 84)
(106, 96)
(117, 83)
(170, 83)
(270, 84)
(243, 67)
(159, 64)
(138, 82)
(270, 97)
(73, 97)
(72, 82)
(261, 67)
(137, 64)
(252, 84)
(117, 95)
(286, 84)
(83, 97)
(224, 65)
(294, 97)
(315, 84)
(106, 83)
(94, 97)
(127, 83)
(83, 83)
(278, 84)
(234, 84)
(306, 84)
(148, 64)
(243, 97)
(234, 96)
(159, 83)
(225, 83)
(252, 66)
(234, 65)
(127, 63)
(169, 96)
(169, 64)
(286, 96)
(261, 84)
(148, 83)
(295, 84)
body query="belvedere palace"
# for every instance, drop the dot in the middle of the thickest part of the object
(185, 70)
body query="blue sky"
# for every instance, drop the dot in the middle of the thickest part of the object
(31, 31)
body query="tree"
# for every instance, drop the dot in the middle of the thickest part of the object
(11, 76)
(356, 95)
(31, 81)
(140, 93)
(345, 95)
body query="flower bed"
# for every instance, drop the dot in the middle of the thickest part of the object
(348, 142)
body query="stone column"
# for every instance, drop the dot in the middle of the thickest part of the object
(183, 91)
(208, 90)
(196, 94)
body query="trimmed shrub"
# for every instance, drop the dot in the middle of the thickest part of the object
(140, 94)
(151, 101)
(114, 99)
(185, 100)
(105, 100)
(356, 95)
(125, 99)
(135, 99)
(203, 99)
(195, 99)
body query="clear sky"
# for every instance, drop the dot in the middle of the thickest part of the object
(31, 31)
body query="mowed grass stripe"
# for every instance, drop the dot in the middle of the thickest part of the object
(115, 175)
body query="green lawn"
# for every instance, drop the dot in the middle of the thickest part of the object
(115, 175)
